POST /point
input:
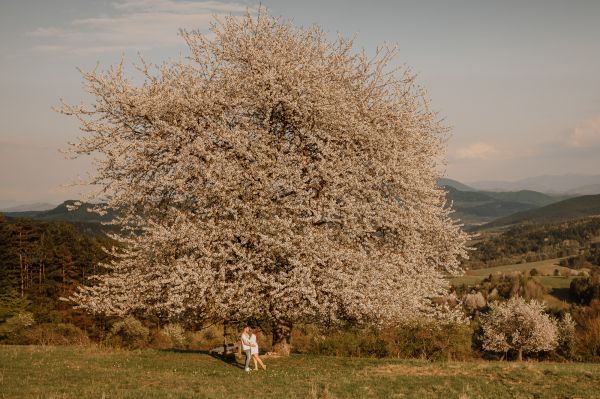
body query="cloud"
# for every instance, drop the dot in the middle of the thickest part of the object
(586, 134)
(133, 24)
(482, 151)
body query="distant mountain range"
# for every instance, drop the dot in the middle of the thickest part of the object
(84, 220)
(36, 206)
(478, 207)
(475, 208)
(574, 184)
(569, 209)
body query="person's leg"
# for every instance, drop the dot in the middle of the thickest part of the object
(248, 356)
(260, 362)
(255, 363)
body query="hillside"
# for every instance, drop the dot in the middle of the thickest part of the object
(474, 207)
(37, 206)
(82, 218)
(446, 182)
(529, 197)
(571, 183)
(573, 208)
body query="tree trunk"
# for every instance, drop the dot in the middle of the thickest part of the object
(282, 333)
(520, 355)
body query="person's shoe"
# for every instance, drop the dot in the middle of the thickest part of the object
(247, 369)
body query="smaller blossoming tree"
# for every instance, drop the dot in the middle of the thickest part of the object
(518, 325)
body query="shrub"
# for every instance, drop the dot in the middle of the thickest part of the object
(128, 332)
(519, 326)
(534, 272)
(430, 341)
(304, 337)
(176, 334)
(585, 290)
(512, 285)
(351, 343)
(425, 340)
(56, 334)
(566, 337)
(474, 302)
(588, 338)
(13, 329)
(158, 340)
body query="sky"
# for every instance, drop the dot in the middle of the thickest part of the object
(518, 82)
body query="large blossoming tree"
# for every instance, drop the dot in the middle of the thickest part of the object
(271, 175)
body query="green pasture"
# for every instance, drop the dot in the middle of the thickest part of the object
(91, 372)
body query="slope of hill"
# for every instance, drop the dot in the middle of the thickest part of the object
(445, 182)
(84, 220)
(474, 207)
(37, 206)
(573, 208)
(568, 183)
(62, 213)
(526, 197)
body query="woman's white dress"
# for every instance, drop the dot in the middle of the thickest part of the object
(253, 349)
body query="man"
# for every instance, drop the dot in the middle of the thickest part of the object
(246, 346)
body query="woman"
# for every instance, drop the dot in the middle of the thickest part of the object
(254, 352)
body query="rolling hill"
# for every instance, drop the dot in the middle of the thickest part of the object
(84, 220)
(571, 183)
(479, 207)
(446, 182)
(572, 208)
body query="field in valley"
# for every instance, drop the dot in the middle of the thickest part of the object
(545, 267)
(91, 372)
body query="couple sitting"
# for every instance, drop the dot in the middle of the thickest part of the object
(250, 348)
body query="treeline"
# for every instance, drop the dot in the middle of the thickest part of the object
(532, 243)
(40, 262)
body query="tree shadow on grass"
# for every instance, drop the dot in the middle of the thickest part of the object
(230, 358)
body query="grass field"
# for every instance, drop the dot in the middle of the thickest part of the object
(90, 372)
(472, 277)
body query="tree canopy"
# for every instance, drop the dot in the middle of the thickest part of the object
(272, 174)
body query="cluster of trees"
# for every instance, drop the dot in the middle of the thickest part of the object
(40, 262)
(585, 290)
(529, 243)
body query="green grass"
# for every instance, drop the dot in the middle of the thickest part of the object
(543, 266)
(89, 372)
(473, 277)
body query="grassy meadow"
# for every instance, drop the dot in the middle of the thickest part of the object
(92, 372)
(545, 267)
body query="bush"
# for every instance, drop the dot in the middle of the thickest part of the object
(176, 334)
(425, 340)
(513, 285)
(585, 290)
(351, 343)
(566, 337)
(430, 341)
(56, 334)
(13, 329)
(588, 338)
(129, 332)
(518, 326)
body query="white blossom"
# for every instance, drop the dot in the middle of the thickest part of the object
(274, 175)
(518, 325)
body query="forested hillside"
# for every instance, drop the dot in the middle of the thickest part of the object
(42, 261)
(530, 243)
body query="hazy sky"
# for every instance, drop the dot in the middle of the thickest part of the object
(518, 81)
